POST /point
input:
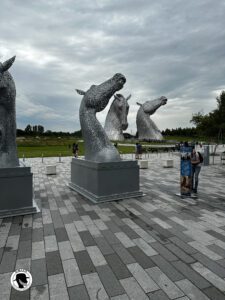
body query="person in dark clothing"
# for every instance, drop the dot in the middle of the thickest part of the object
(75, 149)
(196, 168)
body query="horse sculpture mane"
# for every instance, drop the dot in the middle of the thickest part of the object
(97, 145)
(116, 119)
(8, 149)
(145, 126)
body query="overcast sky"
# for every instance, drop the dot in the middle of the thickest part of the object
(173, 48)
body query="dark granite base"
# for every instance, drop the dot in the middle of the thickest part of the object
(16, 192)
(101, 182)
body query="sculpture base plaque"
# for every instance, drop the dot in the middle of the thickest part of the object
(16, 192)
(108, 181)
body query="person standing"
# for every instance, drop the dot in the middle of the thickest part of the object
(196, 168)
(75, 149)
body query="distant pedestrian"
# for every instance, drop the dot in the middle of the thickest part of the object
(75, 149)
(196, 159)
(116, 145)
(138, 151)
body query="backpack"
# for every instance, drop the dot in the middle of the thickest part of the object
(200, 157)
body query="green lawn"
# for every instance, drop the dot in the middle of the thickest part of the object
(54, 147)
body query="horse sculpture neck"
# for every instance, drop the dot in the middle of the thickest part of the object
(8, 149)
(116, 119)
(97, 145)
(146, 128)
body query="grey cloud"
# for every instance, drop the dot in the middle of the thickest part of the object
(171, 48)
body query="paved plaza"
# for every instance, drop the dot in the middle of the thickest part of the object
(156, 247)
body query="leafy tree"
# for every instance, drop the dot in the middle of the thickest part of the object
(213, 123)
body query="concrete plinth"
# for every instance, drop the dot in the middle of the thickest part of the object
(16, 192)
(108, 181)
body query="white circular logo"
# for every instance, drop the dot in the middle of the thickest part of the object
(21, 280)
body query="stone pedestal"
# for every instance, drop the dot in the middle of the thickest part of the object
(108, 181)
(16, 192)
(143, 164)
(168, 163)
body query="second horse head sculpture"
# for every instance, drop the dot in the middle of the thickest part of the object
(97, 145)
(116, 119)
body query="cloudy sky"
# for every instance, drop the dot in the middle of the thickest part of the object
(173, 48)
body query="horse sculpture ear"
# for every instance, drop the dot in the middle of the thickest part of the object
(80, 92)
(8, 63)
(128, 97)
(117, 97)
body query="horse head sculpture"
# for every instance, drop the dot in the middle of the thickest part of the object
(97, 145)
(116, 119)
(8, 149)
(145, 126)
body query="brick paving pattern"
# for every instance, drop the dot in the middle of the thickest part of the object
(155, 247)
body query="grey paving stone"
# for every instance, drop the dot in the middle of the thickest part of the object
(8, 262)
(26, 234)
(123, 253)
(120, 297)
(23, 263)
(37, 235)
(39, 272)
(190, 274)
(17, 220)
(72, 272)
(110, 237)
(65, 250)
(57, 287)
(112, 226)
(191, 290)
(133, 289)
(38, 250)
(218, 250)
(24, 249)
(87, 238)
(221, 262)
(212, 265)
(145, 247)
(167, 268)
(214, 294)
(165, 283)
(180, 253)
(12, 242)
(124, 239)
(168, 255)
(96, 256)
(118, 267)
(78, 292)
(158, 295)
(15, 229)
(56, 218)
(104, 246)
(1, 253)
(39, 292)
(54, 263)
(5, 285)
(61, 234)
(145, 281)
(17, 295)
(129, 232)
(217, 235)
(140, 257)
(209, 275)
(84, 262)
(184, 246)
(49, 229)
(182, 236)
(94, 287)
(109, 280)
